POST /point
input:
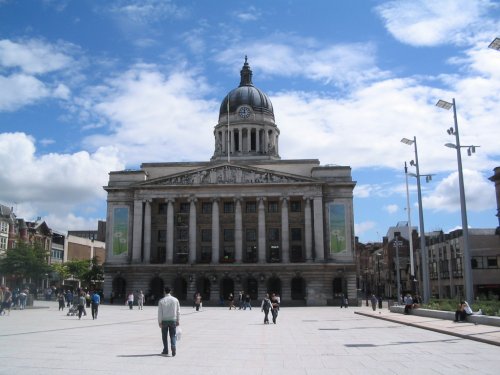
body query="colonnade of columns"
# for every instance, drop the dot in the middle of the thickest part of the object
(313, 229)
(265, 139)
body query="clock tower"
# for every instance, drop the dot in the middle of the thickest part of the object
(246, 127)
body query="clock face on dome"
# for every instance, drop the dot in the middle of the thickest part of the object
(244, 112)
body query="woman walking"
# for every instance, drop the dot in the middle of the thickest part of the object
(265, 307)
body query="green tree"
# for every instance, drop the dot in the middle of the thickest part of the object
(62, 271)
(89, 272)
(25, 261)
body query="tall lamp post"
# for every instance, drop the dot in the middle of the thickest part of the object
(410, 232)
(398, 243)
(468, 282)
(423, 250)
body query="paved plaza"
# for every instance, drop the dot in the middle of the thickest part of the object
(306, 340)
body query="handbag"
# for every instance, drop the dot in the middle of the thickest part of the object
(178, 333)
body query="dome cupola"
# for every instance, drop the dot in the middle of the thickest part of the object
(248, 114)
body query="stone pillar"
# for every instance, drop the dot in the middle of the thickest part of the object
(147, 232)
(308, 229)
(192, 230)
(137, 232)
(285, 241)
(215, 230)
(266, 141)
(257, 140)
(170, 232)
(249, 139)
(319, 247)
(238, 231)
(261, 245)
(240, 136)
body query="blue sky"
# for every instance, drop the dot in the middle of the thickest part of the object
(88, 87)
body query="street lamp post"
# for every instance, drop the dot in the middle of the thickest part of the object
(423, 249)
(398, 243)
(378, 283)
(469, 289)
(410, 233)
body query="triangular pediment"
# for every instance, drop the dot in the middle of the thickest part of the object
(228, 174)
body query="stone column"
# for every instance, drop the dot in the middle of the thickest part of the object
(170, 232)
(249, 139)
(238, 231)
(192, 230)
(308, 229)
(261, 247)
(137, 232)
(147, 232)
(319, 247)
(257, 140)
(285, 241)
(266, 141)
(215, 231)
(240, 136)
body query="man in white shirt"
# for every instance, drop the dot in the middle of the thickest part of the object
(168, 319)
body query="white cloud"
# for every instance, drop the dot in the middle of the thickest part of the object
(430, 23)
(479, 193)
(391, 208)
(154, 117)
(360, 228)
(341, 64)
(33, 56)
(62, 184)
(19, 90)
(146, 11)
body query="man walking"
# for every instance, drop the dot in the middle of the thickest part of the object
(96, 300)
(168, 319)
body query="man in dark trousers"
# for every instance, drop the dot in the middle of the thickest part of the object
(96, 300)
(169, 311)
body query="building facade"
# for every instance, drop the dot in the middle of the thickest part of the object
(244, 221)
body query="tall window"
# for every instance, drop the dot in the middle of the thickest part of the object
(3, 243)
(296, 234)
(4, 227)
(206, 235)
(206, 207)
(162, 235)
(251, 207)
(228, 235)
(295, 206)
(228, 207)
(162, 208)
(272, 206)
(251, 235)
(184, 207)
(274, 234)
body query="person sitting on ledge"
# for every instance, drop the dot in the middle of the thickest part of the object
(468, 310)
(460, 313)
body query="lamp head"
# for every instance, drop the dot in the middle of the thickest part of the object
(495, 44)
(444, 104)
(407, 141)
(450, 131)
(451, 145)
(412, 163)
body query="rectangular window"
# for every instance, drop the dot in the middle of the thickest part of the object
(272, 206)
(251, 235)
(296, 234)
(3, 243)
(184, 207)
(228, 207)
(206, 207)
(228, 235)
(492, 262)
(4, 227)
(274, 234)
(162, 208)
(295, 206)
(477, 262)
(182, 234)
(228, 255)
(162, 235)
(251, 207)
(206, 235)
(206, 254)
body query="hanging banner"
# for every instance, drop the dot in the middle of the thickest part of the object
(337, 228)
(120, 230)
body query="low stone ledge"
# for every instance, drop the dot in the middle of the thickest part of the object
(448, 315)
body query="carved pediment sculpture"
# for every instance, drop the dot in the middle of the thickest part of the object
(227, 174)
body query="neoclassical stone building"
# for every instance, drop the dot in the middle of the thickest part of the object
(245, 220)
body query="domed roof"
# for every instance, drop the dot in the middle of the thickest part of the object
(247, 94)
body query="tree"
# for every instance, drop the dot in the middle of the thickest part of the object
(87, 271)
(25, 261)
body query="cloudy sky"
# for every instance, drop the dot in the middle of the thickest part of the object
(88, 87)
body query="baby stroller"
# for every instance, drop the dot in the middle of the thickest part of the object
(73, 311)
